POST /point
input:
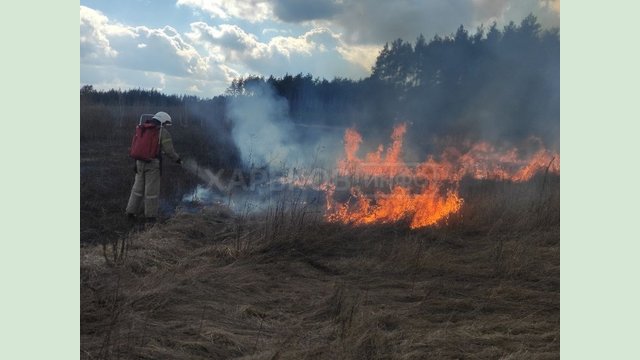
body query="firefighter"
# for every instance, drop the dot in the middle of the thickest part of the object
(146, 187)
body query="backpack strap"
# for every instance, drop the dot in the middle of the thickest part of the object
(160, 148)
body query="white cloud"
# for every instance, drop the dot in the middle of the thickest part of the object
(94, 42)
(238, 45)
(289, 46)
(362, 55)
(334, 38)
(194, 89)
(318, 51)
(274, 30)
(165, 50)
(142, 48)
(229, 73)
(156, 54)
(251, 10)
(227, 39)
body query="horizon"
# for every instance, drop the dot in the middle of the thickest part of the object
(203, 46)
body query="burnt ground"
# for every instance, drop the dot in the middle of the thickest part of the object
(214, 286)
(106, 177)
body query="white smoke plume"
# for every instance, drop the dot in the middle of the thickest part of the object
(265, 134)
(206, 175)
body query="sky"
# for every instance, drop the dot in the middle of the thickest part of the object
(198, 47)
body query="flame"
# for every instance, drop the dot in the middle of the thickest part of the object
(431, 208)
(543, 159)
(352, 140)
(377, 163)
(433, 196)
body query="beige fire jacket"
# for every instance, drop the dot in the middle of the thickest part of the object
(166, 145)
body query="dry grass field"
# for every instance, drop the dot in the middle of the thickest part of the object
(215, 285)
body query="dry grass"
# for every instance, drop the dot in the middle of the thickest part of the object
(214, 285)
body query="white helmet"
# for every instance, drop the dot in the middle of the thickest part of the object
(163, 117)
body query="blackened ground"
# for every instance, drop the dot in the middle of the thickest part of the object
(106, 177)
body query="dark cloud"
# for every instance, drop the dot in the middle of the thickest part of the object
(490, 9)
(377, 21)
(368, 22)
(547, 11)
(301, 10)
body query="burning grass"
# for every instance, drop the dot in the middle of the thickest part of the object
(284, 285)
(429, 192)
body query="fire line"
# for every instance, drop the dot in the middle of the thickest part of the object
(438, 198)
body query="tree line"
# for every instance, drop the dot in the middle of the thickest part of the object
(492, 84)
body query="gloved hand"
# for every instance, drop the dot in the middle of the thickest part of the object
(179, 161)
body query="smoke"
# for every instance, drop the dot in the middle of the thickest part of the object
(214, 190)
(260, 126)
(206, 175)
(244, 192)
(267, 137)
(501, 87)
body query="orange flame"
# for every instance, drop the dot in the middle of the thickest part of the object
(352, 140)
(434, 202)
(376, 163)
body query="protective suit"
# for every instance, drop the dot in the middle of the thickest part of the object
(146, 187)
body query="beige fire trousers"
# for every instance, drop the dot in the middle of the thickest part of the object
(145, 187)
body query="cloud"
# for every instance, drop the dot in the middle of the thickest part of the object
(227, 39)
(311, 41)
(490, 10)
(300, 10)
(319, 51)
(503, 11)
(109, 45)
(330, 37)
(360, 21)
(251, 10)
(141, 48)
(238, 45)
(119, 55)
(164, 50)
(94, 41)
(274, 30)
(379, 21)
(553, 5)
(547, 11)
(369, 22)
(293, 11)
(362, 55)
